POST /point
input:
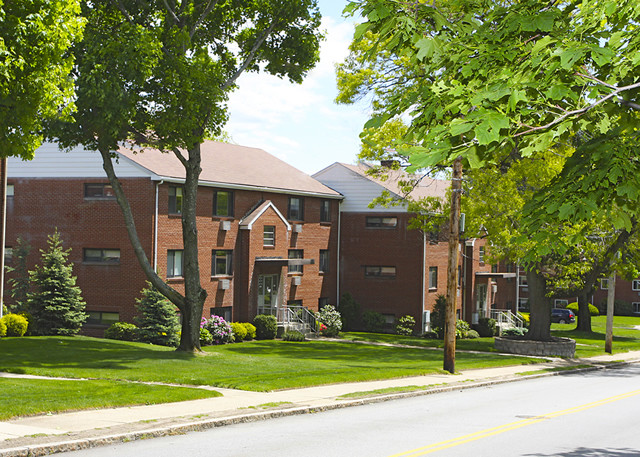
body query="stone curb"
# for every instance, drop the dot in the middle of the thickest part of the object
(36, 450)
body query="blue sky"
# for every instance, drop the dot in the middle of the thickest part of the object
(300, 123)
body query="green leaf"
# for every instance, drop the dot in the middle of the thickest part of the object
(542, 43)
(460, 126)
(376, 121)
(515, 97)
(570, 56)
(425, 48)
(360, 30)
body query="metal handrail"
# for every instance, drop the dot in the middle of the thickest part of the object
(505, 316)
(296, 314)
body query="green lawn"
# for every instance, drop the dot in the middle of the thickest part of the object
(256, 365)
(625, 336)
(24, 397)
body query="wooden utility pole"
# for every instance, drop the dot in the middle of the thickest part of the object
(3, 225)
(611, 294)
(452, 270)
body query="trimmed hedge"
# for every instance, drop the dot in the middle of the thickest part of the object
(123, 331)
(16, 325)
(266, 327)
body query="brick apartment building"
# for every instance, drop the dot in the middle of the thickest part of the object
(268, 233)
(394, 270)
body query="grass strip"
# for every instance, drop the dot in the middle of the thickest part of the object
(385, 391)
(25, 397)
(270, 405)
(553, 370)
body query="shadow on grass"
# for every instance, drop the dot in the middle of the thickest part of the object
(17, 355)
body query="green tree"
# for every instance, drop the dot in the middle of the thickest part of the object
(485, 80)
(19, 280)
(55, 303)
(157, 74)
(34, 67)
(158, 321)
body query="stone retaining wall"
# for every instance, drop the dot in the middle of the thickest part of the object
(562, 347)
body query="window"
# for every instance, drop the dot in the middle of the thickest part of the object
(222, 311)
(324, 261)
(523, 304)
(174, 263)
(10, 190)
(269, 235)
(636, 307)
(635, 285)
(294, 303)
(381, 222)
(322, 302)
(604, 284)
(101, 255)
(433, 277)
(380, 272)
(222, 203)
(522, 281)
(325, 211)
(560, 303)
(222, 263)
(102, 318)
(175, 200)
(481, 255)
(98, 191)
(8, 255)
(296, 208)
(295, 254)
(494, 268)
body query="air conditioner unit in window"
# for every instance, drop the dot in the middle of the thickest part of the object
(225, 225)
(224, 284)
(297, 280)
(297, 228)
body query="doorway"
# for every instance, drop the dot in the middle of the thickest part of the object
(268, 293)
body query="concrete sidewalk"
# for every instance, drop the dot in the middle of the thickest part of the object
(43, 435)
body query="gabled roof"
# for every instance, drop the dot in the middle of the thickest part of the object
(248, 221)
(233, 166)
(427, 187)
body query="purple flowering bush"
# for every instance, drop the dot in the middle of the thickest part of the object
(220, 329)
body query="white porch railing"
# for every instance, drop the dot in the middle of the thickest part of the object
(506, 319)
(294, 318)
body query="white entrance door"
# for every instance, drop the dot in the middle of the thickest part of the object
(481, 300)
(268, 293)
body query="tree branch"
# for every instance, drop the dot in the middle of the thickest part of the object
(123, 10)
(581, 111)
(180, 157)
(202, 17)
(250, 56)
(171, 12)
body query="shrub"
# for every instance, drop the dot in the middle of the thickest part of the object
(438, 314)
(293, 335)
(239, 331)
(123, 331)
(514, 331)
(486, 327)
(430, 335)
(3, 328)
(330, 317)
(620, 308)
(473, 335)
(220, 329)
(373, 321)
(266, 326)
(16, 324)
(251, 331)
(349, 312)
(55, 302)
(526, 318)
(206, 338)
(18, 281)
(573, 307)
(462, 329)
(158, 321)
(406, 325)
(594, 311)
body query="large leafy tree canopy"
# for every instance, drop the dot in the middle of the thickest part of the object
(485, 79)
(157, 73)
(34, 69)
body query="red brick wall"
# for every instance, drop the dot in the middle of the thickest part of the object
(42, 205)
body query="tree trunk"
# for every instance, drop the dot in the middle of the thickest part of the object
(540, 328)
(584, 316)
(194, 294)
(452, 271)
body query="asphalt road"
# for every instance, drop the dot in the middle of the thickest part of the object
(577, 415)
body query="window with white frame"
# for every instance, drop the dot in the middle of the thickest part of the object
(175, 263)
(296, 254)
(381, 222)
(324, 261)
(10, 190)
(560, 303)
(635, 284)
(604, 284)
(481, 255)
(269, 235)
(636, 307)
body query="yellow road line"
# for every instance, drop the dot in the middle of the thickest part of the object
(510, 426)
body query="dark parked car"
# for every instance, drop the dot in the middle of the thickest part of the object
(562, 316)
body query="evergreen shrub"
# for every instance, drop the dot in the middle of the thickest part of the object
(251, 331)
(486, 327)
(373, 321)
(266, 326)
(55, 301)
(349, 312)
(16, 324)
(123, 331)
(158, 322)
(239, 331)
